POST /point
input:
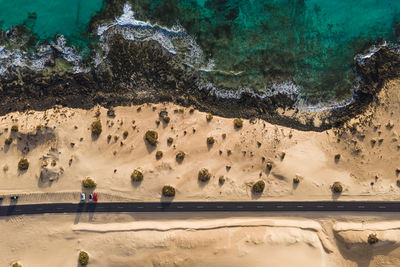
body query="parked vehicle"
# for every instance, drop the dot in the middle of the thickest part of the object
(95, 197)
(90, 197)
(83, 197)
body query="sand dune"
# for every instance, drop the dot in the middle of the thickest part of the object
(61, 152)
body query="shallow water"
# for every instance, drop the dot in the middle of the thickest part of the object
(309, 42)
(253, 43)
(50, 17)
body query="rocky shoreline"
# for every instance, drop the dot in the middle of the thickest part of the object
(141, 72)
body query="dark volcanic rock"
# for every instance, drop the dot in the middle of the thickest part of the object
(139, 72)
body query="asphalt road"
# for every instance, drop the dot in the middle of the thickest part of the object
(254, 206)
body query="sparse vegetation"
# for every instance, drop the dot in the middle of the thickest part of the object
(337, 188)
(296, 180)
(209, 117)
(221, 180)
(180, 156)
(204, 175)
(258, 187)
(238, 123)
(8, 141)
(269, 166)
(5, 168)
(14, 128)
(96, 128)
(224, 136)
(83, 258)
(125, 134)
(166, 119)
(168, 191)
(151, 137)
(372, 239)
(337, 157)
(159, 154)
(23, 164)
(16, 264)
(170, 140)
(210, 140)
(88, 183)
(137, 176)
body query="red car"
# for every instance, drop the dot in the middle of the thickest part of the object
(95, 197)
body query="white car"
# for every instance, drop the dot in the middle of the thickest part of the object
(83, 197)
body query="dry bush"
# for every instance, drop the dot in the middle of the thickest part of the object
(372, 239)
(88, 183)
(137, 175)
(23, 164)
(168, 191)
(337, 188)
(83, 258)
(96, 127)
(258, 187)
(159, 154)
(204, 175)
(180, 156)
(238, 123)
(151, 137)
(210, 140)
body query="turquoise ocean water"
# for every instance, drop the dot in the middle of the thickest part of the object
(253, 43)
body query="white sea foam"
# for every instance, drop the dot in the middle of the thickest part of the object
(175, 39)
(370, 52)
(37, 61)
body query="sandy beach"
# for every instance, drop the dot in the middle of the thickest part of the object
(362, 156)
(61, 150)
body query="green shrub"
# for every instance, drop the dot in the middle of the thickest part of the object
(16, 264)
(337, 188)
(209, 117)
(14, 128)
(96, 127)
(83, 258)
(180, 156)
(23, 164)
(137, 175)
(125, 134)
(88, 183)
(238, 123)
(8, 141)
(372, 239)
(221, 180)
(210, 140)
(296, 180)
(170, 140)
(204, 175)
(151, 137)
(168, 191)
(258, 187)
(159, 154)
